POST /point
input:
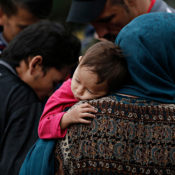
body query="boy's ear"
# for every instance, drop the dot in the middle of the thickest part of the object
(80, 57)
(35, 64)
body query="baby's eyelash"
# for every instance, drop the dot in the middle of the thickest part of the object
(89, 91)
(77, 81)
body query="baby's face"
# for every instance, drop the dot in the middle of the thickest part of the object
(84, 84)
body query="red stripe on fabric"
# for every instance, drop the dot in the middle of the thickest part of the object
(151, 5)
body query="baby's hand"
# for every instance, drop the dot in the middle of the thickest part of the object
(78, 115)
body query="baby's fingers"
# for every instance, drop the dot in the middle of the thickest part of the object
(85, 121)
(90, 109)
(86, 105)
(87, 115)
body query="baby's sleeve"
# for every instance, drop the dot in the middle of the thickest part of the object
(49, 124)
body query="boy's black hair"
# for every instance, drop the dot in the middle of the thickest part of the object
(57, 47)
(107, 61)
(39, 8)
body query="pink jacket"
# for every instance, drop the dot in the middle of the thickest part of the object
(49, 125)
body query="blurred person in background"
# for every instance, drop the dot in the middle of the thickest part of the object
(108, 17)
(15, 15)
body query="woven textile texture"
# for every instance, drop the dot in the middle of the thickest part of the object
(128, 136)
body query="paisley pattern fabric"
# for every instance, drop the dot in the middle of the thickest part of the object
(128, 136)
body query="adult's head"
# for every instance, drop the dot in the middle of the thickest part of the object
(107, 16)
(150, 50)
(15, 15)
(42, 55)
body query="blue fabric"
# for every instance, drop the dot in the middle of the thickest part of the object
(149, 44)
(40, 159)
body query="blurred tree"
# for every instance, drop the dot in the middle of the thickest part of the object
(59, 13)
(60, 10)
(171, 2)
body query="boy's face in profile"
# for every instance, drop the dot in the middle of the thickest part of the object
(12, 25)
(43, 83)
(84, 84)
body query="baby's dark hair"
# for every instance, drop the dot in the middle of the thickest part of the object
(107, 61)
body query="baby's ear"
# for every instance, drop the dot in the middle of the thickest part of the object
(80, 57)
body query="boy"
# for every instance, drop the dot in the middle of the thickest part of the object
(15, 15)
(33, 63)
(101, 70)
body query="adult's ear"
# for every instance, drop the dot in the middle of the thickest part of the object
(138, 7)
(35, 64)
(130, 3)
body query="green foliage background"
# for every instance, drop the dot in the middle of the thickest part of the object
(60, 10)
(171, 2)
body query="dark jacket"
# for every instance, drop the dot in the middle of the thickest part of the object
(20, 111)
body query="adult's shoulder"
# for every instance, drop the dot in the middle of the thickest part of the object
(124, 130)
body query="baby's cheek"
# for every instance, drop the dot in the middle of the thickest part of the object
(88, 96)
(73, 91)
(72, 88)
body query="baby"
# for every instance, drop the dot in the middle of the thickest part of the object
(100, 71)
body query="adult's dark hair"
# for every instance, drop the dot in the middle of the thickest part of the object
(39, 8)
(117, 2)
(107, 61)
(48, 39)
